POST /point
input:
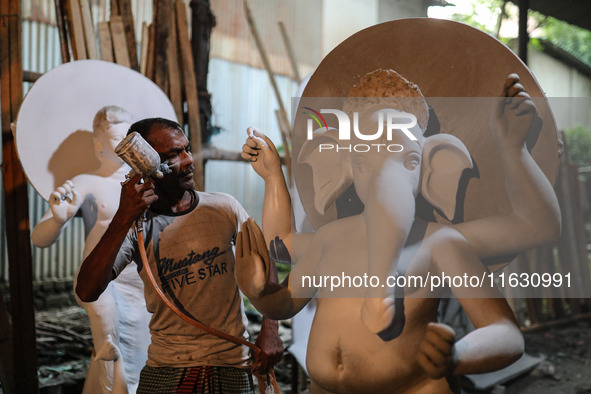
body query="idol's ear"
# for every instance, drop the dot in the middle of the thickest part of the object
(445, 158)
(331, 167)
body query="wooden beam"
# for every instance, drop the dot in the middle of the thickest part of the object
(557, 323)
(567, 245)
(214, 153)
(128, 24)
(103, 10)
(76, 30)
(145, 45)
(20, 262)
(6, 345)
(60, 17)
(89, 35)
(150, 56)
(582, 265)
(106, 42)
(31, 76)
(523, 35)
(114, 5)
(119, 42)
(174, 73)
(202, 23)
(190, 85)
(162, 26)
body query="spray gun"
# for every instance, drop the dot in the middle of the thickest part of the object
(143, 159)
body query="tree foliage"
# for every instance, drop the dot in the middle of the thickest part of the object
(578, 145)
(472, 19)
(572, 39)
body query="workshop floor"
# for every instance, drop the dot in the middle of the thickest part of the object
(64, 345)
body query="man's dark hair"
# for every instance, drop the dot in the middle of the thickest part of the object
(144, 126)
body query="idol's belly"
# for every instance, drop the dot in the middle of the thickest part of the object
(344, 357)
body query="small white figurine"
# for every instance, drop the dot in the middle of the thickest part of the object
(120, 313)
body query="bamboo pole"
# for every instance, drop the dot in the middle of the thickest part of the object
(61, 28)
(150, 53)
(174, 73)
(285, 133)
(290, 54)
(190, 84)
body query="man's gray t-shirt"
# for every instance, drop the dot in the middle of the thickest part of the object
(191, 256)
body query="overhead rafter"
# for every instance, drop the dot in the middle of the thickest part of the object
(575, 12)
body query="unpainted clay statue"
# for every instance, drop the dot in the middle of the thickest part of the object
(381, 342)
(120, 313)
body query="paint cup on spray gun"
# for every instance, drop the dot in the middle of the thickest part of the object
(143, 159)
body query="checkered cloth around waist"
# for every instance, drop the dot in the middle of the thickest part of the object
(201, 379)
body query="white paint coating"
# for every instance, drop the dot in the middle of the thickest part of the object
(54, 124)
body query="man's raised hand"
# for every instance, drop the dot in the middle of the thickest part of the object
(136, 197)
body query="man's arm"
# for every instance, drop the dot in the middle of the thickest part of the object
(535, 216)
(96, 270)
(64, 202)
(268, 339)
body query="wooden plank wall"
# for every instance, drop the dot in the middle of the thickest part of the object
(80, 38)
(166, 55)
(18, 370)
(568, 256)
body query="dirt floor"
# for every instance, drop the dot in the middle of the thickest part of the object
(566, 368)
(64, 344)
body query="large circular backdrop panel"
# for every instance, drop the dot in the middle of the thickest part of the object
(54, 124)
(449, 61)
